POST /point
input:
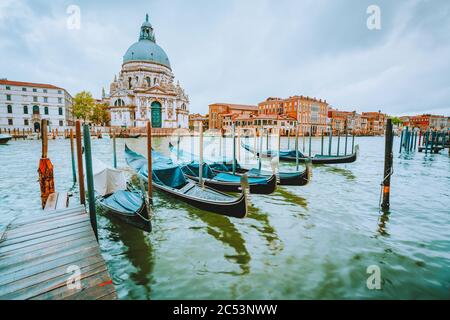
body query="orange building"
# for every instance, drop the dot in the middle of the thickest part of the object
(221, 114)
(311, 113)
(428, 121)
(376, 122)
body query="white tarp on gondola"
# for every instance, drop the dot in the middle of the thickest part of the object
(107, 180)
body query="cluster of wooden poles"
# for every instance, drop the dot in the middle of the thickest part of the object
(431, 141)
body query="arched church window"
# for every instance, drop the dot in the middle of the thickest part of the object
(155, 81)
(129, 83)
(149, 81)
(119, 103)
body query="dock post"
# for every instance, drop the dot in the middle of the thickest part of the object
(296, 148)
(260, 149)
(310, 142)
(267, 141)
(72, 154)
(303, 138)
(233, 127)
(114, 150)
(346, 136)
(415, 139)
(80, 162)
(149, 162)
(339, 142)
(289, 139)
(426, 141)
(321, 147)
(432, 142)
(200, 164)
(90, 178)
(239, 143)
(353, 141)
(178, 144)
(330, 140)
(387, 165)
(45, 170)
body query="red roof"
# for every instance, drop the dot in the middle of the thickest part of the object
(29, 84)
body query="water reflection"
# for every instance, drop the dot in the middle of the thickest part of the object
(291, 197)
(266, 230)
(382, 224)
(139, 252)
(340, 171)
(223, 230)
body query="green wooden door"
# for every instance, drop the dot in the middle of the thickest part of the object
(156, 115)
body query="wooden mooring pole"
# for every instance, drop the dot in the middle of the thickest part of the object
(149, 162)
(388, 157)
(80, 162)
(72, 155)
(45, 170)
(114, 150)
(200, 164)
(90, 178)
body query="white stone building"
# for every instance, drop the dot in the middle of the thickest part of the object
(145, 88)
(24, 104)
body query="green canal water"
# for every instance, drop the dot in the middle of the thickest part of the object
(312, 242)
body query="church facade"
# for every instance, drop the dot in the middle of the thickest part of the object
(145, 88)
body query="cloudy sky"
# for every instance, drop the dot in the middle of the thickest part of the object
(243, 51)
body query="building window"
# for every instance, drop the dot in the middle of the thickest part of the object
(8, 97)
(35, 99)
(10, 122)
(35, 109)
(60, 111)
(119, 103)
(24, 89)
(25, 109)
(9, 107)
(8, 88)
(34, 90)
(59, 92)
(45, 110)
(26, 122)
(61, 123)
(45, 99)
(45, 90)
(59, 100)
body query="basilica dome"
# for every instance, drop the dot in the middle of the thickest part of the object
(146, 48)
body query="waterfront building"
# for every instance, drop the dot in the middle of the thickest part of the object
(428, 121)
(195, 120)
(221, 114)
(310, 113)
(376, 122)
(351, 120)
(24, 104)
(145, 88)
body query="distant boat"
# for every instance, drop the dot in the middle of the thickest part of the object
(115, 200)
(169, 178)
(125, 135)
(4, 138)
(290, 156)
(285, 178)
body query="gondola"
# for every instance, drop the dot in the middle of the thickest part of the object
(115, 200)
(289, 156)
(170, 179)
(229, 182)
(125, 135)
(295, 178)
(4, 138)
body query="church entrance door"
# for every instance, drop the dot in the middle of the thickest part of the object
(156, 115)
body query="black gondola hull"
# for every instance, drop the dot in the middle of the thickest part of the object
(235, 209)
(267, 188)
(133, 220)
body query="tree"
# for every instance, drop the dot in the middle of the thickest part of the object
(99, 114)
(396, 121)
(83, 105)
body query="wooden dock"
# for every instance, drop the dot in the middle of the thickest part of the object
(38, 256)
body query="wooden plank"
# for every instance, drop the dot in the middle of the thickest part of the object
(35, 254)
(77, 233)
(51, 202)
(111, 296)
(19, 259)
(21, 237)
(63, 200)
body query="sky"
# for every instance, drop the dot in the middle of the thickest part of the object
(244, 51)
